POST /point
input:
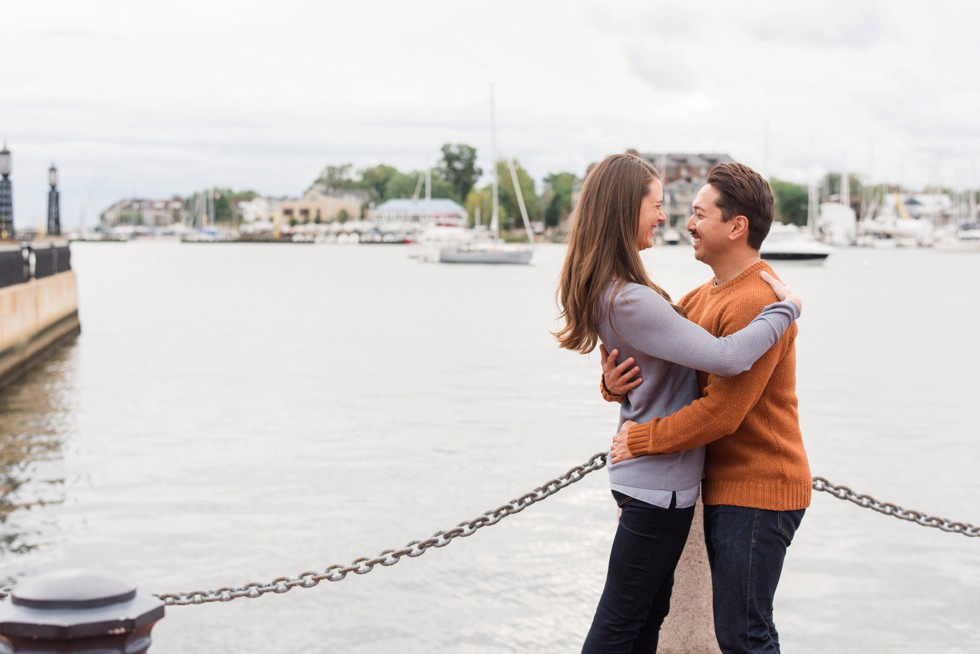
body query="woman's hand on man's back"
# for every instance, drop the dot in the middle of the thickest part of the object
(618, 379)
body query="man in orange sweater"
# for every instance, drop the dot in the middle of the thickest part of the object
(757, 480)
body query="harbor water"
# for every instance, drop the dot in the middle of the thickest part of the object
(236, 413)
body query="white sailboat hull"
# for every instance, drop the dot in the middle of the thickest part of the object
(487, 253)
(965, 239)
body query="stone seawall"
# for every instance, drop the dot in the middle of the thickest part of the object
(35, 317)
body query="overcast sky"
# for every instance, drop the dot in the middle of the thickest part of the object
(155, 99)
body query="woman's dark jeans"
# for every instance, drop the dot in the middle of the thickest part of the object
(746, 548)
(636, 597)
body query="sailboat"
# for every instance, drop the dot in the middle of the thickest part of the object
(964, 234)
(204, 222)
(892, 225)
(836, 221)
(494, 250)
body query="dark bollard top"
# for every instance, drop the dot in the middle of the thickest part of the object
(70, 604)
(72, 589)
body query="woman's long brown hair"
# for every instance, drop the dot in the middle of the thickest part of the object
(602, 247)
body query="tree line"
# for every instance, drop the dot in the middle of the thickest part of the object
(456, 177)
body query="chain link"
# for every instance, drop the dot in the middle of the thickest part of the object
(416, 548)
(868, 502)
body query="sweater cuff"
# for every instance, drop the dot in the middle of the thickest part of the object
(638, 440)
(606, 395)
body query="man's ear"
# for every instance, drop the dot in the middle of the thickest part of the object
(738, 228)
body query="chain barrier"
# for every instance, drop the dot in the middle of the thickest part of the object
(387, 558)
(416, 548)
(868, 502)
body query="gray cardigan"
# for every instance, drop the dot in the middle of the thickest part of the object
(670, 349)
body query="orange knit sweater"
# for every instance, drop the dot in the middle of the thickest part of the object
(755, 456)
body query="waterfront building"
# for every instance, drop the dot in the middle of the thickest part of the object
(683, 174)
(255, 210)
(420, 213)
(676, 166)
(6, 197)
(318, 205)
(678, 197)
(143, 212)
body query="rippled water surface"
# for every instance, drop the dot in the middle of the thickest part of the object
(235, 413)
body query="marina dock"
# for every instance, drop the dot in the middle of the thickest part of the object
(38, 304)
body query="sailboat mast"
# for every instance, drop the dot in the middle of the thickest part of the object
(812, 208)
(202, 209)
(418, 188)
(520, 201)
(495, 212)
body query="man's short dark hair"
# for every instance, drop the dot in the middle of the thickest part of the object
(744, 192)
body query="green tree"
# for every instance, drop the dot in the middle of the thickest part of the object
(400, 185)
(510, 212)
(375, 181)
(831, 182)
(441, 188)
(220, 204)
(242, 196)
(557, 197)
(338, 178)
(343, 216)
(403, 185)
(458, 167)
(483, 199)
(224, 211)
(791, 201)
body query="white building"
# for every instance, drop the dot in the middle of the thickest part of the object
(419, 213)
(256, 209)
(143, 213)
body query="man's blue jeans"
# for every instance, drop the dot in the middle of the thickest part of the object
(636, 597)
(746, 548)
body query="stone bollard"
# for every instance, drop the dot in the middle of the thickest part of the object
(77, 611)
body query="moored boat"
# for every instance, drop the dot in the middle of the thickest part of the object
(787, 242)
(493, 250)
(487, 252)
(965, 238)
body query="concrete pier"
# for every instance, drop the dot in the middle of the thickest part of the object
(690, 627)
(36, 316)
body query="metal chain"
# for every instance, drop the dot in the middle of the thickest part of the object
(416, 548)
(868, 502)
(387, 558)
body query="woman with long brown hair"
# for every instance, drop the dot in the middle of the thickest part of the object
(605, 294)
